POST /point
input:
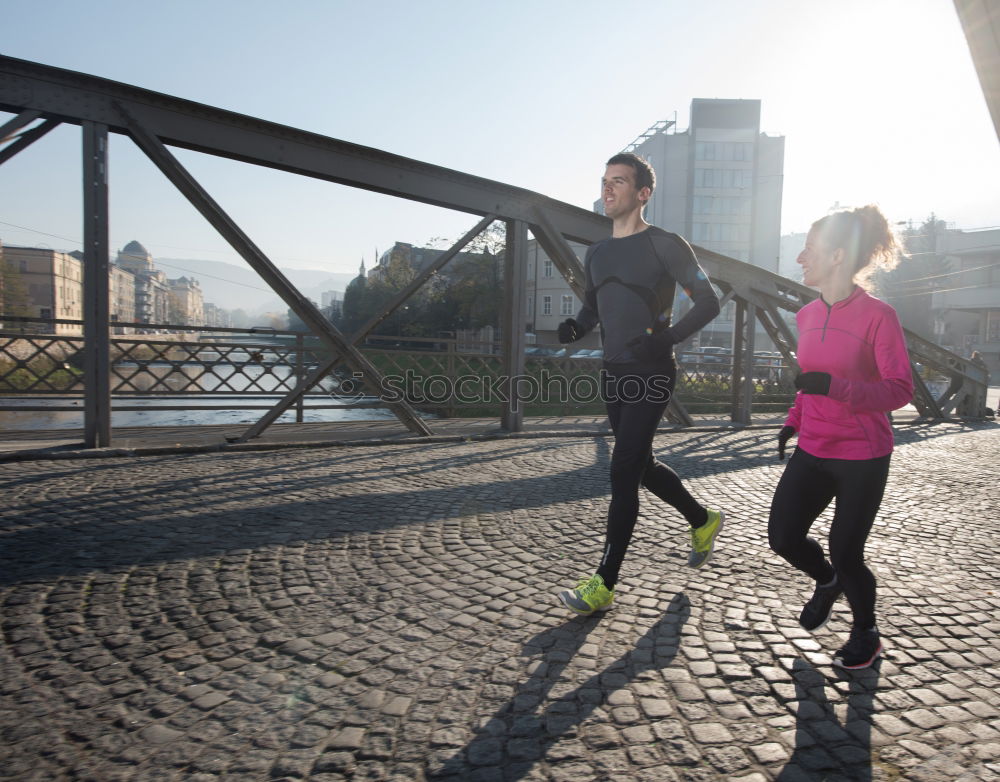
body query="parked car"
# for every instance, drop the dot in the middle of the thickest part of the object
(768, 358)
(541, 351)
(716, 355)
(588, 354)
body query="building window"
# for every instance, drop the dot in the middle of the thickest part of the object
(546, 305)
(531, 306)
(731, 178)
(547, 268)
(566, 307)
(993, 326)
(720, 205)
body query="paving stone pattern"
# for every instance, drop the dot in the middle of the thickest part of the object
(387, 613)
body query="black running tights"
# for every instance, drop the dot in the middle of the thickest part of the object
(632, 465)
(805, 490)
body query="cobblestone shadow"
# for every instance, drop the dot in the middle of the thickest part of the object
(517, 737)
(825, 747)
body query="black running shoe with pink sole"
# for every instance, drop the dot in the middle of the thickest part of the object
(817, 612)
(861, 650)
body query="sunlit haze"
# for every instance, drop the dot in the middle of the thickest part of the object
(878, 102)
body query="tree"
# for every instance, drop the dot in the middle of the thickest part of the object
(176, 312)
(295, 323)
(909, 287)
(239, 319)
(14, 299)
(396, 274)
(467, 293)
(474, 292)
(355, 310)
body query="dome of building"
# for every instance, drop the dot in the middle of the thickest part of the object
(134, 248)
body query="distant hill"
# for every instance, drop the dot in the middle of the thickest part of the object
(235, 287)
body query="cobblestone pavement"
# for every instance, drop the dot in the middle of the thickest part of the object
(387, 613)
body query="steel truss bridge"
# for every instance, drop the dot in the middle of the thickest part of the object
(42, 97)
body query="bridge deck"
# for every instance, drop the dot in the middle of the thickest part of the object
(387, 613)
(62, 443)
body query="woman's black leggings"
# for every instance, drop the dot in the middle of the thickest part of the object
(634, 419)
(806, 487)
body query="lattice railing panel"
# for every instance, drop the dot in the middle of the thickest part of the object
(40, 364)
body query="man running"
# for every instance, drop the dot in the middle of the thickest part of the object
(631, 280)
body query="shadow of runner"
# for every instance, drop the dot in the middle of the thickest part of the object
(508, 746)
(825, 750)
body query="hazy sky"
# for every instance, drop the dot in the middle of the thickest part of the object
(877, 99)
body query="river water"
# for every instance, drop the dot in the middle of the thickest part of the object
(193, 388)
(151, 416)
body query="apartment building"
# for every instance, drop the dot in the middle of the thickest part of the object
(187, 304)
(550, 300)
(719, 185)
(152, 291)
(54, 283)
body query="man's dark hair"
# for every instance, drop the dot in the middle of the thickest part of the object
(644, 174)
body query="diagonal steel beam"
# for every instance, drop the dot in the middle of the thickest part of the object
(26, 139)
(301, 306)
(779, 332)
(923, 399)
(11, 126)
(328, 366)
(557, 248)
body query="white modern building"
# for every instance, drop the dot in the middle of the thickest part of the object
(966, 303)
(718, 183)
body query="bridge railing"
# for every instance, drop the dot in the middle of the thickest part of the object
(180, 367)
(188, 368)
(41, 98)
(213, 368)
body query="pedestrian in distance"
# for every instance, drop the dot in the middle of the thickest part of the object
(631, 279)
(854, 370)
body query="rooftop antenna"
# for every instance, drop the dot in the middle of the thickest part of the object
(663, 126)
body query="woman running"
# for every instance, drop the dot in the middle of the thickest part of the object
(855, 370)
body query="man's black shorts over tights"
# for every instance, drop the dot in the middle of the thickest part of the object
(635, 404)
(806, 488)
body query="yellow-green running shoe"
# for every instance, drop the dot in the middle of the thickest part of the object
(590, 595)
(703, 538)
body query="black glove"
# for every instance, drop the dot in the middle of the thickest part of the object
(783, 437)
(813, 382)
(653, 348)
(569, 331)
